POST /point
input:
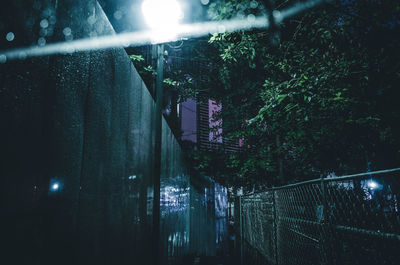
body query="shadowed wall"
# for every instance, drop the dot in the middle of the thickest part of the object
(77, 152)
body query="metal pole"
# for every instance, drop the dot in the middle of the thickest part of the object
(275, 224)
(157, 154)
(241, 230)
(324, 228)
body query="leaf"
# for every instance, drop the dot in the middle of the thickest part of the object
(137, 58)
(281, 98)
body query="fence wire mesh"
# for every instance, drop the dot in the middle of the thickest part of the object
(342, 220)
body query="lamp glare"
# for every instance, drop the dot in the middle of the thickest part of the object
(162, 14)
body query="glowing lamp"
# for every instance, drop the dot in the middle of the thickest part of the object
(55, 187)
(163, 16)
(372, 184)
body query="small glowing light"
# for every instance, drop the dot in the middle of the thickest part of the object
(162, 16)
(55, 186)
(132, 177)
(205, 2)
(372, 184)
(10, 36)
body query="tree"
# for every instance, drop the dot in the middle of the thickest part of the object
(323, 100)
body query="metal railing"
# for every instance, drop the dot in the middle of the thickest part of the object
(353, 219)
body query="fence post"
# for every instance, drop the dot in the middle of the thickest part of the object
(241, 229)
(324, 223)
(275, 224)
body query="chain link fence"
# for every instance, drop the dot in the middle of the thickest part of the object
(352, 219)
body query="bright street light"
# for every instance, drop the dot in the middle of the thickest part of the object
(163, 16)
(55, 186)
(372, 184)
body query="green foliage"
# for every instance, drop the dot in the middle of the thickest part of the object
(175, 81)
(324, 100)
(136, 58)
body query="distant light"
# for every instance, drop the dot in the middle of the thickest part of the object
(163, 16)
(372, 184)
(132, 177)
(162, 13)
(55, 187)
(10, 36)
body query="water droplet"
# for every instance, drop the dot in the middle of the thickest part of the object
(91, 20)
(44, 23)
(253, 4)
(47, 12)
(93, 34)
(22, 55)
(49, 31)
(69, 37)
(41, 41)
(251, 18)
(3, 58)
(43, 32)
(67, 31)
(52, 20)
(10, 36)
(70, 49)
(240, 14)
(118, 15)
(37, 5)
(277, 15)
(205, 2)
